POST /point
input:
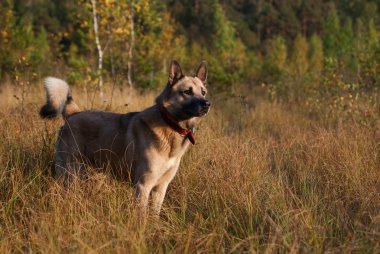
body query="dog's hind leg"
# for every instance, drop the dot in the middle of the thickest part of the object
(69, 163)
(68, 167)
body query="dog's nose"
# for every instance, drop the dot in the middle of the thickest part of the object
(206, 104)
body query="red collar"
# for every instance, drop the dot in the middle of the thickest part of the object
(175, 127)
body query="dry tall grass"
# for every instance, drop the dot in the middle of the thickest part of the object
(261, 178)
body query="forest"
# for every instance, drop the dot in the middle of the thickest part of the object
(287, 160)
(245, 41)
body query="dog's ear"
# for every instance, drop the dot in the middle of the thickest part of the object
(175, 72)
(202, 72)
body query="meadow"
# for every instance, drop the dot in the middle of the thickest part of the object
(263, 177)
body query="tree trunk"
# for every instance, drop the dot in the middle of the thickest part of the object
(131, 44)
(99, 47)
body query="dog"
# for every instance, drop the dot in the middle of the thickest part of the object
(147, 145)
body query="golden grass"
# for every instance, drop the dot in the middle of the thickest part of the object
(261, 178)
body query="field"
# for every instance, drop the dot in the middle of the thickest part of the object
(262, 178)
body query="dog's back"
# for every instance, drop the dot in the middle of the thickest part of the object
(97, 138)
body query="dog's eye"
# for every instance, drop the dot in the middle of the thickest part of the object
(203, 93)
(188, 92)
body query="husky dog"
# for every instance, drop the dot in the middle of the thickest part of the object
(146, 145)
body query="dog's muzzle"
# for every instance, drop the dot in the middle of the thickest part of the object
(205, 107)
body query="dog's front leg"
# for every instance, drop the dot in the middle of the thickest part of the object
(144, 186)
(158, 195)
(142, 195)
(159, 191)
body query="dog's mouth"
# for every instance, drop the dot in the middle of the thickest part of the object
(204, 111)
(199, 113)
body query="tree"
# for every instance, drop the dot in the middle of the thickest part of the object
(371, 63)
(168, 44)
(331, 30)
(298, 67)
(114, 23)
(131, 43)
(275, 60)
(346, 45)
(277, 53)
(316, 57)
(98, 45)
(298, 59)
(225, 37)
(228, 46)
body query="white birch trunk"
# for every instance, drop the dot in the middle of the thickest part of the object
(99, 47)
(131, 45)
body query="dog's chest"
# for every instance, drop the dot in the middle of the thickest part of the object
(172, 162)
(164, 165)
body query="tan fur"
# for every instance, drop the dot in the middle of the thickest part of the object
(70, 109)
(139, 144)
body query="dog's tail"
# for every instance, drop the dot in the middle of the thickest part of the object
(59, 99)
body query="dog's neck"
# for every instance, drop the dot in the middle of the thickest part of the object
(185, 128)
(184, 124)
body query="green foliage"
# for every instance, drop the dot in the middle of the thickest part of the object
(40, 52)
(225, 38)
(347, 43)
(331, 32)
(78, 68)
(228, 47)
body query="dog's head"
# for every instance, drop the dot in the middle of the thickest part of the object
(185, 96)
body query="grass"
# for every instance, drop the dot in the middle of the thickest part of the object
(263, 177)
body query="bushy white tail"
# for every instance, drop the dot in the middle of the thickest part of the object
(59, 100)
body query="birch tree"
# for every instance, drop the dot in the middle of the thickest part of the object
(98, 46)
(113, 21)
(131, 44)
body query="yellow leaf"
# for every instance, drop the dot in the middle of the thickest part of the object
(119, 30)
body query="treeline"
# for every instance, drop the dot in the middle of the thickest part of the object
(293, 47)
